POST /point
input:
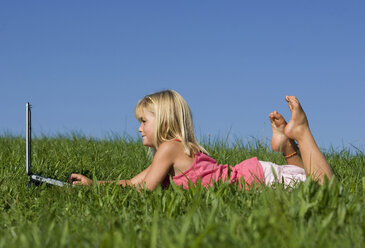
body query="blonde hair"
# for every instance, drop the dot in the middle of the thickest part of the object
(173, 119)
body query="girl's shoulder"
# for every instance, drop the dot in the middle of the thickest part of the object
(175, 152)
(171, 146)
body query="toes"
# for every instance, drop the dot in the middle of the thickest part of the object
(272, 114)
(292, 102)
(275, 115)
(292, 99)
(278, 115)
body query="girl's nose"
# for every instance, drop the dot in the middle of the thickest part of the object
(140, 128)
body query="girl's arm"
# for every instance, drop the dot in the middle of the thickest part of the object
(136, 180)
(162, 162)
(82, 180)
(150, 177)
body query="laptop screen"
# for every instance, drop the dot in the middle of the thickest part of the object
(28, 138)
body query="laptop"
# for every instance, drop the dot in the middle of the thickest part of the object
(33, 178)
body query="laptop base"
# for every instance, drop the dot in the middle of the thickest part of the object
(37, 180)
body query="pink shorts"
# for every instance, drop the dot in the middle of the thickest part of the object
(289, 175)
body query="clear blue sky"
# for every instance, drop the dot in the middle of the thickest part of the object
(84, 64)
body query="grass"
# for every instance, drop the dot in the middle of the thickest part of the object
(331, 215)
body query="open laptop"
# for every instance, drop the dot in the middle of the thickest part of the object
(33, 178)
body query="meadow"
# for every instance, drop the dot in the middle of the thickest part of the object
(309, 215)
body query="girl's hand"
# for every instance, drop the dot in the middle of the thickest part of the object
(78, 179)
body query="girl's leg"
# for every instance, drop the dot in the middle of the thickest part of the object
(281, 143)
(297, 129)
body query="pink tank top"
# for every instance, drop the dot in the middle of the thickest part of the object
(207, 170)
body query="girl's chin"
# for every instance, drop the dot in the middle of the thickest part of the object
(148, 144)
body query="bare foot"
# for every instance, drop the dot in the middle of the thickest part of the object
(278, 124)
(298, 124)
(281, 142)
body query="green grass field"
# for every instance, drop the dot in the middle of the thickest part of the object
(332, 215)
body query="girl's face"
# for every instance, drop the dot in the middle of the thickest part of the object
(147, 128)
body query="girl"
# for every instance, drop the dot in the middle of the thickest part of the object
(167, 129)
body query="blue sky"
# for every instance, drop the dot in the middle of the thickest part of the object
(84, 65)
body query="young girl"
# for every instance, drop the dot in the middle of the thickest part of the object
(167, 129)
